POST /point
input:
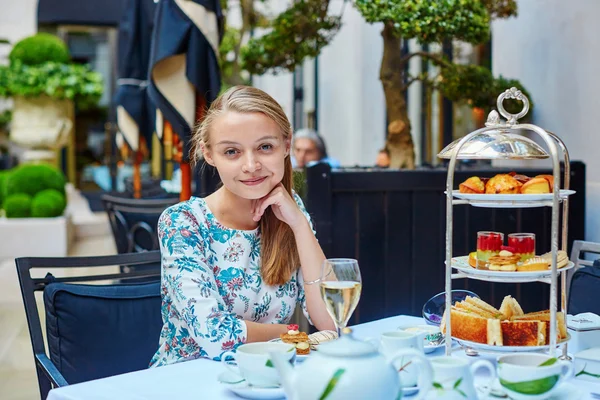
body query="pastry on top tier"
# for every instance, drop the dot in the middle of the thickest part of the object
(293, 335)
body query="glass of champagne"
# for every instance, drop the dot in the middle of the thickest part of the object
(341, 285)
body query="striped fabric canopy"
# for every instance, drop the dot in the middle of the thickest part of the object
(135, 112)
(184, 61)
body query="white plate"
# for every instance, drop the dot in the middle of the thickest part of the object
(510, 200)
(239, 386)
(431, 349)
(506, 349)
(510, 197)
(462, 264)
(299, 357)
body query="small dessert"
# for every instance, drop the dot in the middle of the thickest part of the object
(523, 245)
(489, 244)
(473, 259)
(534, 264)
(504, 261)
(550, 179)
(293, 335)
(302, 348)
(561, 259)
(522, 179)
(502, 184)
(536, 186)
(472, 185)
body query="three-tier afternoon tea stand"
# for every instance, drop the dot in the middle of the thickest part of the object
(505, 140)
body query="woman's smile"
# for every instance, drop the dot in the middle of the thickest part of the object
(254, 181)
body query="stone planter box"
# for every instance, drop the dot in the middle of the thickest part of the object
(35, 237)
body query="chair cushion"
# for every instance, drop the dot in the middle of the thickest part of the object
(95, 331)
(584, 289)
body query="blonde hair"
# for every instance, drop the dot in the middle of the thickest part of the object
(279, 254)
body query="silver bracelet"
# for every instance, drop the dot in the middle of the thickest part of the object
(312, 282)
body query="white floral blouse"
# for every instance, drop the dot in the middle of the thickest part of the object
(211, 281)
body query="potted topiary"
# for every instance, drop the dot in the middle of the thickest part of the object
(33, 202)
(44, 86)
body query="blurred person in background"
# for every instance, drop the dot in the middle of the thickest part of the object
(309, 147)
(383, 158)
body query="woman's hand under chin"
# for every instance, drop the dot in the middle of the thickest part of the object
(283, 205)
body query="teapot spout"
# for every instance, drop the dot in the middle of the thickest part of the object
(286, 373)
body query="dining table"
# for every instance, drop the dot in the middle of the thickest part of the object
(198, 379)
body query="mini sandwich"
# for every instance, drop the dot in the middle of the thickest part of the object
(522, 333)
(510, 307)
(466, 325)
(477, 304)
(494, 332)
(545, 316)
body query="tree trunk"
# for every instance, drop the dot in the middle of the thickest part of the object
(399, 142)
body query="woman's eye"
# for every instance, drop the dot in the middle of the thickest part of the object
(230, 152)
(266, 147)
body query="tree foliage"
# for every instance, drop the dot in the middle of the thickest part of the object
(430, 21)
(476, 86)
(299, 32)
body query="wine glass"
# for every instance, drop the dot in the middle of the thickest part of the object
(341, 285)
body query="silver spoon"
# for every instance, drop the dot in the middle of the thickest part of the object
(471, 352)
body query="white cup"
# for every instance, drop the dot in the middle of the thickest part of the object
(522, 377)
(254, 363)
(453, 377)
(427, 333)
(391, 342)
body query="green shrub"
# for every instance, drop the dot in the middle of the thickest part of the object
(33, 178)
(40, 48)
(18, 206)
(3, 175)
(48, 203)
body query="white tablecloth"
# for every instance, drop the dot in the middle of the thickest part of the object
(197, 379)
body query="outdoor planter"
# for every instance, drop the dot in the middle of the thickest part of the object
(35, 237)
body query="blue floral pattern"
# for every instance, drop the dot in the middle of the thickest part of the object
(211, 282)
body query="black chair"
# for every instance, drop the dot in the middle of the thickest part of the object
(93, 330)
(134, 221)
(583, 281)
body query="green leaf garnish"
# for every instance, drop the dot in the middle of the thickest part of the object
(437, 385)
(332, 382)
(537, 386)
(269, 364)
(457, 383)
(548, 362)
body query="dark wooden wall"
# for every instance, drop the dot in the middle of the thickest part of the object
(394, 223)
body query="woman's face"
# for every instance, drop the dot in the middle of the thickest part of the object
(248, 150)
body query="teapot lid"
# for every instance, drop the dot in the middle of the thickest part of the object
(347, 346)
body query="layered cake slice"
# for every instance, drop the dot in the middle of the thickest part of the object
(297, 338)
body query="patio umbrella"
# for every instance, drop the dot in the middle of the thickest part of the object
(184, 70)
(135, 113)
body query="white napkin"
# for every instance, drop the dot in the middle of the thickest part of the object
(583, 322)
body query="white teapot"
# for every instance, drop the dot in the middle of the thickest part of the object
(348, 369)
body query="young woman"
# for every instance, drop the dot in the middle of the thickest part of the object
(236, 263)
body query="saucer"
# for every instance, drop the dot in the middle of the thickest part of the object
(566, 391)
(409, 391)
(240, 387)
